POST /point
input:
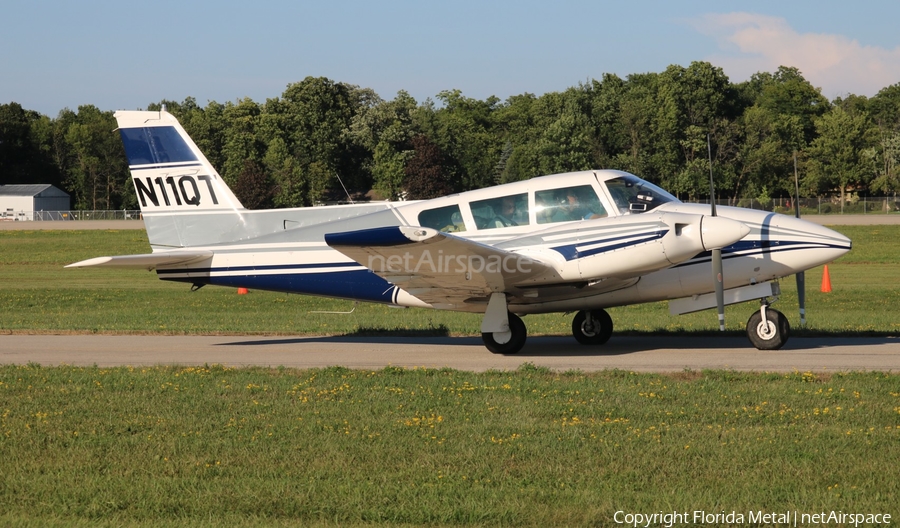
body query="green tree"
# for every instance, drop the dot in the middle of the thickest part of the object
(636, 106)
(424, 172)
(384, 129)
(691, 102)
(786, 92)
(96, 168)
(253, 188)
(316, 116)
(885, 163)
(25, 147)
(240, 142)
(463, 131)
(837, 155)
(566, 145)
(513, 124)
(290, 188)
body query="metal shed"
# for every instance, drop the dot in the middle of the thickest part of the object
(19, 202)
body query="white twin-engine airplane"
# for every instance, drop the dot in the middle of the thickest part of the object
(577, 242)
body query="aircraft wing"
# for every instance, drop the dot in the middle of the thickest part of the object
(439, 268)
(148, 262)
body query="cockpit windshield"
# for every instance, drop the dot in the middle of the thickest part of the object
(634, 195)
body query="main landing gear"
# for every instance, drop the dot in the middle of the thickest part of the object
(508, 342)
(767, 329)
(592, 327)
(502, 331)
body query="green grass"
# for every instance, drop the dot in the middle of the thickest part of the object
(212, 446)
(37, 295)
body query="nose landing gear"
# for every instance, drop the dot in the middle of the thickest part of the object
(768, 329)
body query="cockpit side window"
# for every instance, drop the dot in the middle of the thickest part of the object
(447, 219)
(567, 204)
(634, 195)
(506, 211)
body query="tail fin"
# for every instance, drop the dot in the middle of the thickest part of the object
(176, 186)
(169, 171)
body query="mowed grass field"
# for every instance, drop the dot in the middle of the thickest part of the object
(213, 446)
(38, 295)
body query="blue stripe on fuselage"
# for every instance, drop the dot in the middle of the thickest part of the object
(357, 284)
(750, 248)
(571, 251)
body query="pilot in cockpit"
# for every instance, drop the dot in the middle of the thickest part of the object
(578, 209)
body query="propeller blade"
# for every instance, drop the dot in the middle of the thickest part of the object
(718, 278)
(720, 287)
(801, 277)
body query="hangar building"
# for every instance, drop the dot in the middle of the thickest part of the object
(19, 202)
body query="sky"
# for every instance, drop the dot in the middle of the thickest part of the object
(125, 55)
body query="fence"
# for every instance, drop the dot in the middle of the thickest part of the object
(823, 205)
(45, 216)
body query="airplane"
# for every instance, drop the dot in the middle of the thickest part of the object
(575, 242)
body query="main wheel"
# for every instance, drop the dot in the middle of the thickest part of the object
(770, 334)
(507, 342)
(592, 328)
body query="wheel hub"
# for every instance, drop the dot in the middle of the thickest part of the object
(502, 337)
(588, 327)
(766, 329)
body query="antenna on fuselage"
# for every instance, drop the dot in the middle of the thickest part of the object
(344, 186)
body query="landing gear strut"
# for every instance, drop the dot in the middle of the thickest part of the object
(768, 329)
(502, 331)
(592, 327)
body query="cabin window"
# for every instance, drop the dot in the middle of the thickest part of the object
(634, 195)
(568, 204)
(505, 211)
(447, 219)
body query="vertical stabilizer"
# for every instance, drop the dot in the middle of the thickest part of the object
(174, 182)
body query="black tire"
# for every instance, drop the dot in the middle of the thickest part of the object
(515, 343)
(769, 336)
(595, 331)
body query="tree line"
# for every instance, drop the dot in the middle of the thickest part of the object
(323, 140)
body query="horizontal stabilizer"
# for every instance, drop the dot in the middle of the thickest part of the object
(147, 262)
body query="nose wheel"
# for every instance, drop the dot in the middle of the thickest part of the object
(592, 327)
(768, 329)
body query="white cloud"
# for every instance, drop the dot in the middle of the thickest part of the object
(838, 65)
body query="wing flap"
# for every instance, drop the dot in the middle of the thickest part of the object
(148, 262)
(438, 268)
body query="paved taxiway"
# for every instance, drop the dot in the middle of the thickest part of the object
(639, 354)
(647, 353)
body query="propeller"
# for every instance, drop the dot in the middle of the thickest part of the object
(716, 252)
(801, 277)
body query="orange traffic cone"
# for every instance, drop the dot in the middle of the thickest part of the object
(244, 291)
(826, 281)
